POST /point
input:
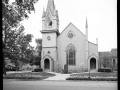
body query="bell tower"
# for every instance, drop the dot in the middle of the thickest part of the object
(50, 32)
(50, 19)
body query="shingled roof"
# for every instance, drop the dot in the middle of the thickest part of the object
(109, 54)
(114, 52)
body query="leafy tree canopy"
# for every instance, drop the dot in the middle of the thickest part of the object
(15, 43)
(37, 54)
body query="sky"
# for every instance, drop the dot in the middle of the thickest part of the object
(101, 16)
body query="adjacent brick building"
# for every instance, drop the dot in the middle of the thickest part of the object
(108, 59)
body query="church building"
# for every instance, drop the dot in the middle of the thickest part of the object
(70, 47)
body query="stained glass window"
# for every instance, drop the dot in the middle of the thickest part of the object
(70, 35)
(70, 55)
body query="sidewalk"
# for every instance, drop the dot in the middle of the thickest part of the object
(58, 76)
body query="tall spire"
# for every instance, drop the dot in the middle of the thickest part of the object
(87, 45)
(86, 26)
(51, 5)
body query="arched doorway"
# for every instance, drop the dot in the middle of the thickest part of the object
(92, 64)
(46, 63)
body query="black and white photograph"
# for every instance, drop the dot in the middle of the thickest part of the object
(59, 44)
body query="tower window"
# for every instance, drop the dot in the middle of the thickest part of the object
(50, 23)
(48, 52)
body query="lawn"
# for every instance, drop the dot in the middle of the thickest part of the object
(29, 75)
(34, 73)
(98, 74)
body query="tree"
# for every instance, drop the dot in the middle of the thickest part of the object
(13, 14)
(37, 55)
(39, 50)
(105, 62)
(18, 47)
(39, 46)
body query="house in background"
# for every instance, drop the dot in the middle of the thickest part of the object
(108, 60)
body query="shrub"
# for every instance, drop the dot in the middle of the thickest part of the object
(24, 77)
(10, 69)
(104, 70)
(38, 70)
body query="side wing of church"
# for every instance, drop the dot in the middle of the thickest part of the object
(70, 47)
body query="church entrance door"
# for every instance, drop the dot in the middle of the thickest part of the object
(47, 64)
(92, 64)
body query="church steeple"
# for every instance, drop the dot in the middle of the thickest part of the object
(51, 6)
(50, 19)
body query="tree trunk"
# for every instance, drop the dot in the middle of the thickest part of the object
(4, 70)
(16, 66)
(4, 47)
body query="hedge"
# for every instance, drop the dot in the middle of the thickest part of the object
(104, 70)
(23, 77)
(93, 79)
(38, 70)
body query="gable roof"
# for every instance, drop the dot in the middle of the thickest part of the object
(73, 26)
(104, 55)
(92, 43)
(114, 52)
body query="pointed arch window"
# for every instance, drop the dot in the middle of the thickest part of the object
(70, 55)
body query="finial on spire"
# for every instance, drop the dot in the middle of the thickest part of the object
(86, 26)
(96, 40)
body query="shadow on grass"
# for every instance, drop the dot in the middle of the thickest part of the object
(32, 79)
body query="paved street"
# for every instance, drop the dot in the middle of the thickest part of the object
(58, 85)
